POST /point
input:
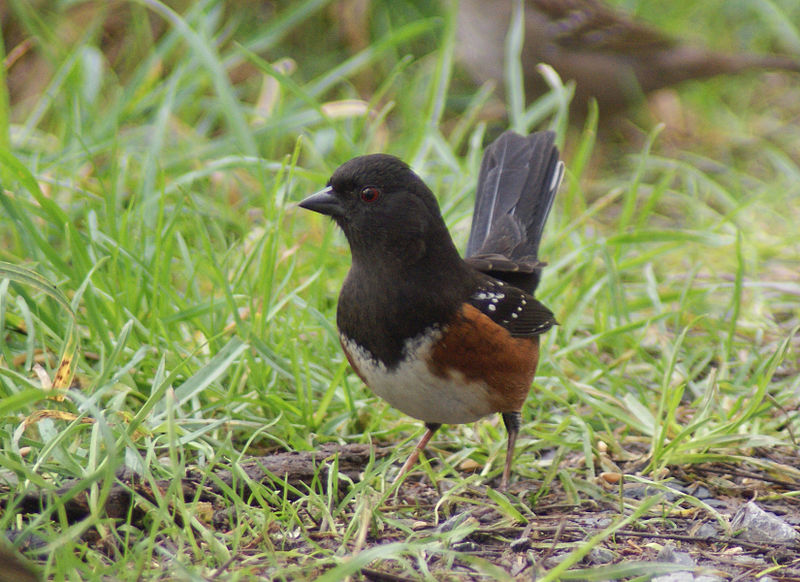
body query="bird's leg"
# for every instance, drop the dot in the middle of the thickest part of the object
(512, 420)
(431, 428)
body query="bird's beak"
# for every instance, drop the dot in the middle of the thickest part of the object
(324, 202)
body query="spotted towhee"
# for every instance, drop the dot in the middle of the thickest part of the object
(445, 339)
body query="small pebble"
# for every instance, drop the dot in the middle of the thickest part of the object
(761, 526)
(702, 492)
(599, 555)
(612, 478)
(705, 531)
(470, 466)
(669, 554)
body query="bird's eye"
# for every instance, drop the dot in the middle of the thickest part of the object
(370, 194)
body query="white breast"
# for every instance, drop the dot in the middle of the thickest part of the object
(412, 388)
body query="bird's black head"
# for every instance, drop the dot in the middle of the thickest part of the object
(384, 209)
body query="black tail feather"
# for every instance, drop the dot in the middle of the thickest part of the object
(518, 180)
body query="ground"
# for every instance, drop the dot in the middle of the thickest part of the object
(619, 524)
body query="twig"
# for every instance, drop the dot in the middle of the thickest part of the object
(750, 475)
(706, 540)
(561, 529)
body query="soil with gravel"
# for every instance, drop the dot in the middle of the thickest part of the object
(708, 522)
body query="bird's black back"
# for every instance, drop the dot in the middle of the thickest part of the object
(518, 180)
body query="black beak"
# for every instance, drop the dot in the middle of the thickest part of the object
(324, 202)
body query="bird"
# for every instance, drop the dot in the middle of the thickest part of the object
(612, 57)
(445, 339)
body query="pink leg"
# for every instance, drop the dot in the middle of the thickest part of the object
(414, 456)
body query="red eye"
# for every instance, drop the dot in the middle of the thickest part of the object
(370, 194)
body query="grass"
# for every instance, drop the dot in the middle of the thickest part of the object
(164, 306)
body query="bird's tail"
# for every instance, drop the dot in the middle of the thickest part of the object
(518, 180)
